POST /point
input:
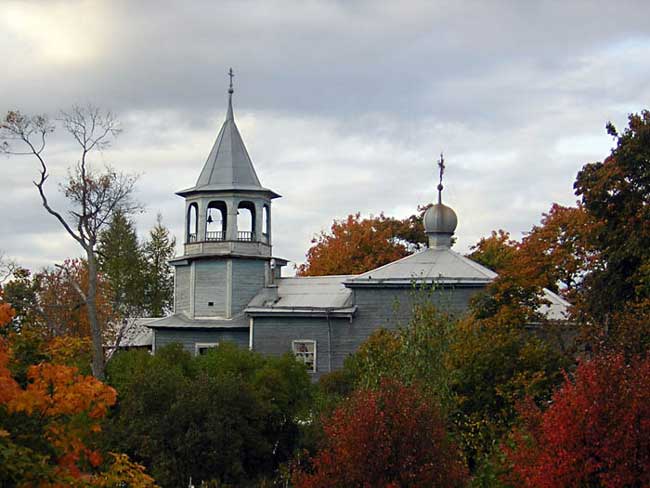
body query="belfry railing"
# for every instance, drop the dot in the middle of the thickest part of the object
(245, 236)
(216, 235)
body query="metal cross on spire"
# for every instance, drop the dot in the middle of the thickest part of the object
(232, 75)
(441, 166)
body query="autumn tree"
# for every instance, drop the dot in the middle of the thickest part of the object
(596, 431)
(495, 252)
(387, 437)
(356, 245)
(616, 194)
(50, 420)
(93, 195)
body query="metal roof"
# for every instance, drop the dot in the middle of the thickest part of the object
(182, 321)
(308, 292)
(439, 264)
(228, 167)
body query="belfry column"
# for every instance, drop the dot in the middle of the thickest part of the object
(259, 216)
(231, 230)
(200, 219)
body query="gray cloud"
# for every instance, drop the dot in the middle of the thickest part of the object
(344, 106)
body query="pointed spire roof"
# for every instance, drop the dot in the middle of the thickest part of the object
(228, 167)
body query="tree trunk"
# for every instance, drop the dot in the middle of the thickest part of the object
(93, 320)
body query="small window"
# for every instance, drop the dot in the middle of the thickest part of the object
(202, 348)
(305, 352)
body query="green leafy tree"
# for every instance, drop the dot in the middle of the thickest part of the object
(414, 354)
(493, 367)
(230, 416)
(123, 265)
(22, 293)
(159, 277)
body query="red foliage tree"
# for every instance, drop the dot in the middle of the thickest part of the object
(391, 437)
(595, 433)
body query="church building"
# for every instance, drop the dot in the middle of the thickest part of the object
(229, 286)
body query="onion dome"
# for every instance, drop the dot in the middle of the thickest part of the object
(440, 221)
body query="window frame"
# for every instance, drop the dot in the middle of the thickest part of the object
(294, 352)
(204, 345)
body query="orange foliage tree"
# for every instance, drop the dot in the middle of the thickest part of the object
(356, 245)
(596, 431)
(389, 437)
(61, 304)
(49, 422)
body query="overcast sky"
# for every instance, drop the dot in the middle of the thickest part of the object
(344, 105)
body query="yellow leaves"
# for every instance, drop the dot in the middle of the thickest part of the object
(66, 350)
(123, 472)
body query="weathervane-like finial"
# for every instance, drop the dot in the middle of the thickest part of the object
(441, 166)
(232, 75)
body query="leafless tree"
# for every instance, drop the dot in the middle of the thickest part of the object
(7, 267)
(93, 195)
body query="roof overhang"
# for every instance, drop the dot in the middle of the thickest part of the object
(347, 312)
(185, 259)
(418, 282)
(224, 189)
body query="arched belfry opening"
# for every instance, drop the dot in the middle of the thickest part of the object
(227, 254)
(246, 221)
(216, 221)
(192, 222)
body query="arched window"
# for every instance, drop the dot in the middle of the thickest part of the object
(265, 223)
(246, 221)
(216, 221)
(192, 222)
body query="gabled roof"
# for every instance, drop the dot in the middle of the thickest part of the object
(228, 167)
(439, 264)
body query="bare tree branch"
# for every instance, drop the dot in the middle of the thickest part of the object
(94, 195)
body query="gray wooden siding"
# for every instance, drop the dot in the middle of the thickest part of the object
(273, 336)
(182, 289)
(188, 337)
(247, 281)
(210, 286)
(388, 308)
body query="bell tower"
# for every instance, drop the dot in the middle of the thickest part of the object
(227, 235)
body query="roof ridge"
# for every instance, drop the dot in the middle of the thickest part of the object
(474, 264)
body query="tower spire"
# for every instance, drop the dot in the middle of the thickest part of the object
(229, 115)
(441, 166)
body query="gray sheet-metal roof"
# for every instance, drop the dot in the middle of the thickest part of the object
(312, 292)
(181, 321)
(439, 264)
(134, 332)
(228, 167)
